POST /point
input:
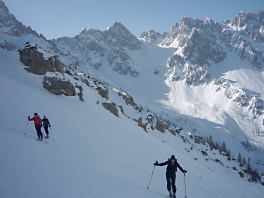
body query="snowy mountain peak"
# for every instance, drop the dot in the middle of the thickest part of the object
(208, 20)
(188, 21)
(11, 29)
(246, 18)
(249, 24)
(118, 28)
(3, 7)
(83, 30)
(152, 36)
(120, 36)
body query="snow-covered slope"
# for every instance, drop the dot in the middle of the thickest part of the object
(92, 153)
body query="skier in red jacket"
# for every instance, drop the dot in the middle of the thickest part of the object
(38, 125)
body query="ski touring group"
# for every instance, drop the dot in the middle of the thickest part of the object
(171, 163)
(38, 122)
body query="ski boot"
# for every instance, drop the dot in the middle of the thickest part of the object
(47, 136)
(174, 195)
(170, 194)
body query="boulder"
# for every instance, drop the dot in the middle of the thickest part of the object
(59, 86)
(103, 93)
(37, 64)
(111, 107)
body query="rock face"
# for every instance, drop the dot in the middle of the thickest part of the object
(249, 24)
(153, 36)
(103, 93)
(159, 126)
(111, 107)
(80, 94)
(58, 86)
(11, 28)
(92, 46)
(38, 64)
(201, 43)
(144, 126)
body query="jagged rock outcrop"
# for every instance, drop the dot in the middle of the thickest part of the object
(197, 47)
(129, 100)
(201, 43)
(159, 126)
(103, 93)
(152, 36)
(91, 46)
(121, 62)
(201, 50)
(58, 86)
(11, 29)
(256, 106)
(10, 25)
(248, 24)
(119, 36)
(80, 94)
(111, 107)
(143, 125)
(37, 64)
(253, 103)
(122, 110)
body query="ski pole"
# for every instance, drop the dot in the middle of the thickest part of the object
(51, 134)
(185, 186)
(151, 177)
(26, 129)
(43, 135)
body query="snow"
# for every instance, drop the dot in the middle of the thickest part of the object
(92, 153)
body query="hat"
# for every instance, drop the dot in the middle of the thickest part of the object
(36, 114)
(173, 157)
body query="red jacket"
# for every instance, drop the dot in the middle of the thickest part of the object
(37, 120)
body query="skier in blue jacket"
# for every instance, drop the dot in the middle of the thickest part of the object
(172, 165)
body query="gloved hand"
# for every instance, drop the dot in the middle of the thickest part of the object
(184, 171)
(40, 125)
(28, 117)
(156, 163)
(49, 126)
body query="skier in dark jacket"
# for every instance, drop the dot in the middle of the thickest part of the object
(172, 165)
(38, 125)
(46, 125)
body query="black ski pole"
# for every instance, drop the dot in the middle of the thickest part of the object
(151, 177)
(26, 129)
(185, 186)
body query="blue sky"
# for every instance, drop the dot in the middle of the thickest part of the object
(54, 18)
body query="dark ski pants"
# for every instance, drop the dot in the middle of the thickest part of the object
(46, 129)
(171, 178)
(38, 129)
